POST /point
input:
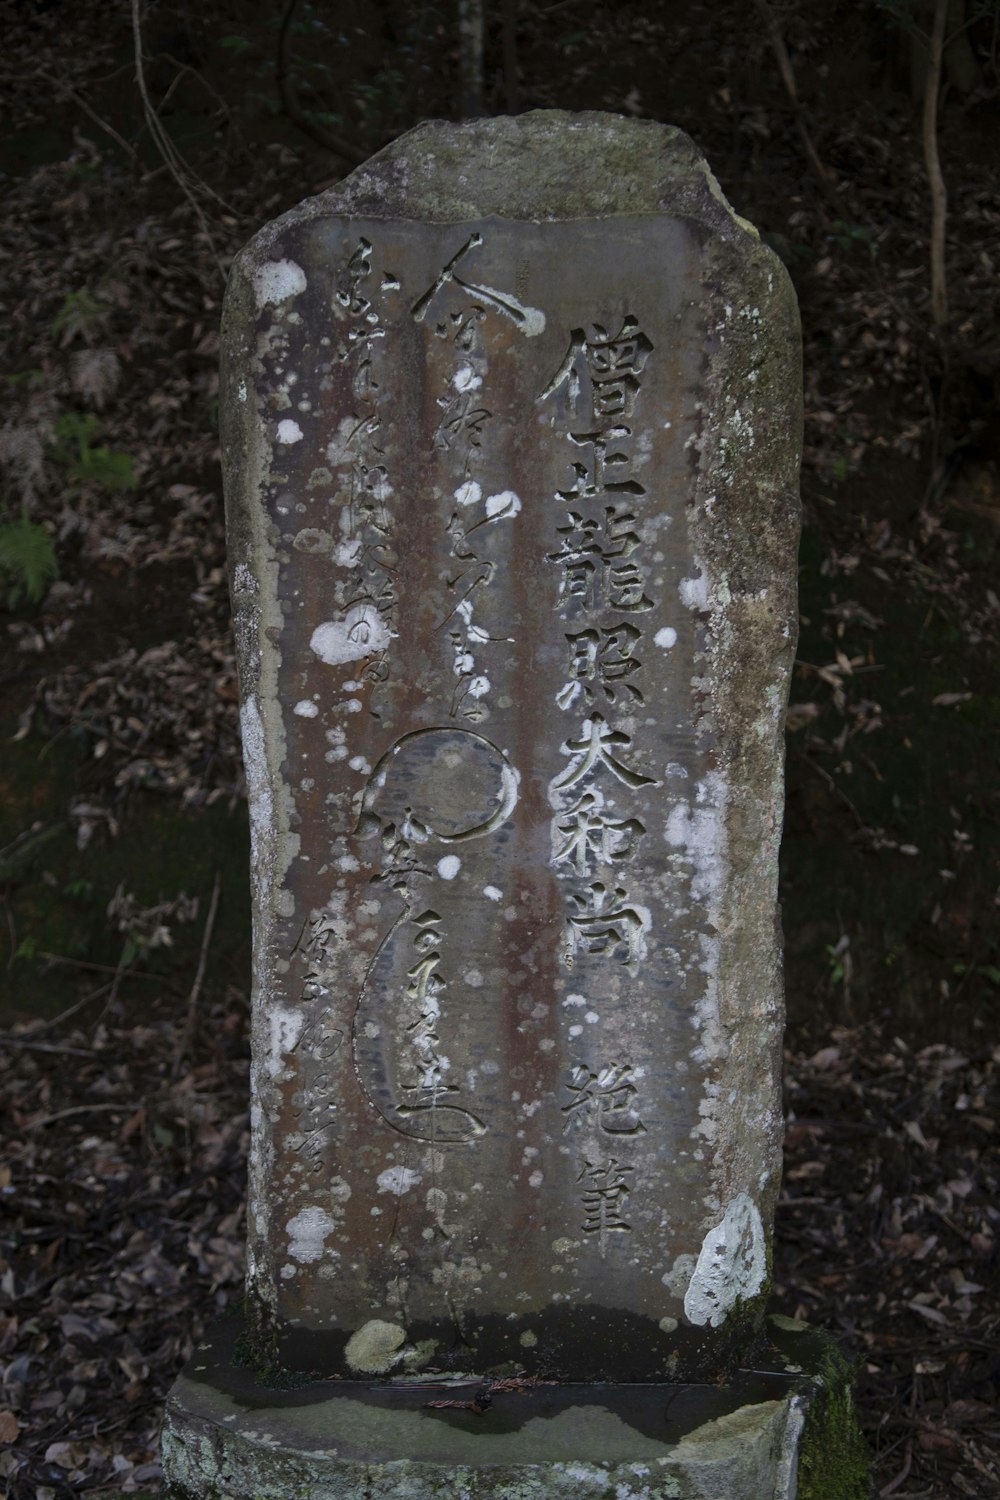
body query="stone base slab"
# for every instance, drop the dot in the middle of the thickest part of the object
(228, 1436)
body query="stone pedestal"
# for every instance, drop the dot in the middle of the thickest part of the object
(784, 1431)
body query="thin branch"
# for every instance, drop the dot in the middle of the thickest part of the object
(172, 160)
(470, 58)
(27, 1045)
(837, 791)
(78, 99)
(81, 963)
(187, 1035)
(40, 1026)
(939, 193)
(290, 99)
(40, 1121)
(777, 41)
(510, 70)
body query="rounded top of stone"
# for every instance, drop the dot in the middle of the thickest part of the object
(542, 166)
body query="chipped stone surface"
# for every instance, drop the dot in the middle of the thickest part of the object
(511, 433)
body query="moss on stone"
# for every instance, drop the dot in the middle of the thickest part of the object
(256, 1351)
(834, 1461)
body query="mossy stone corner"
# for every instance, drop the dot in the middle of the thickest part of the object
(785, 1431)
(834, 1461)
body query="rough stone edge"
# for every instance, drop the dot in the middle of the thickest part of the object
(749, 1455)
(403, 180)
(748, 603)
(246, 466)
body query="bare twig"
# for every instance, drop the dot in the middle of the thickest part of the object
(80, 101)
(187, 1035)
(777, 41)
(510, 79)
(321, 134)
(27, 1045)
(175, 164)
(11, 933)
(40, 1026)
(41, 1121)
(904, 1473)
(470, 58)
(117, 977)
(939, 193)
(81, 963)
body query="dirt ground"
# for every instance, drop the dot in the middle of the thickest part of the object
(123, 844)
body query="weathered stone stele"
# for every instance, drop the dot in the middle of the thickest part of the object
(511, 430)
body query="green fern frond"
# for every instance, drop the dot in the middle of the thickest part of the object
(28, 561)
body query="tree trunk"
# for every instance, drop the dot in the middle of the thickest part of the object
(510, 81)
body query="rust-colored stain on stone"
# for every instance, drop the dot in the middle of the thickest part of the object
(507, 1004)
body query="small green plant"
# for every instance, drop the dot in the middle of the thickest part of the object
(18, 857)
(30, 380)
(989, 972)
(853, 236)
(81, 316)
(28, 561)
(74, 447)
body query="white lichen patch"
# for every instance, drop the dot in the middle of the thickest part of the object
(694, 591)
(449, 866)
(360, 633)
(306, 1233)
(492, 893)
(286, 1028)
(289, 431)
(313, 539)
(466, 379)
(666, 637)
(306, 709)
(259, 794)
(397, 1180)
(375, 1347)
(277, 280)
(503, 504)
(676, 1280)
(731, 1266)
(700, 831)
(468, 493)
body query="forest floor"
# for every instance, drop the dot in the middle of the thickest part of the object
(123, 842)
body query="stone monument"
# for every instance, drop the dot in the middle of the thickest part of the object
(511, 424)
